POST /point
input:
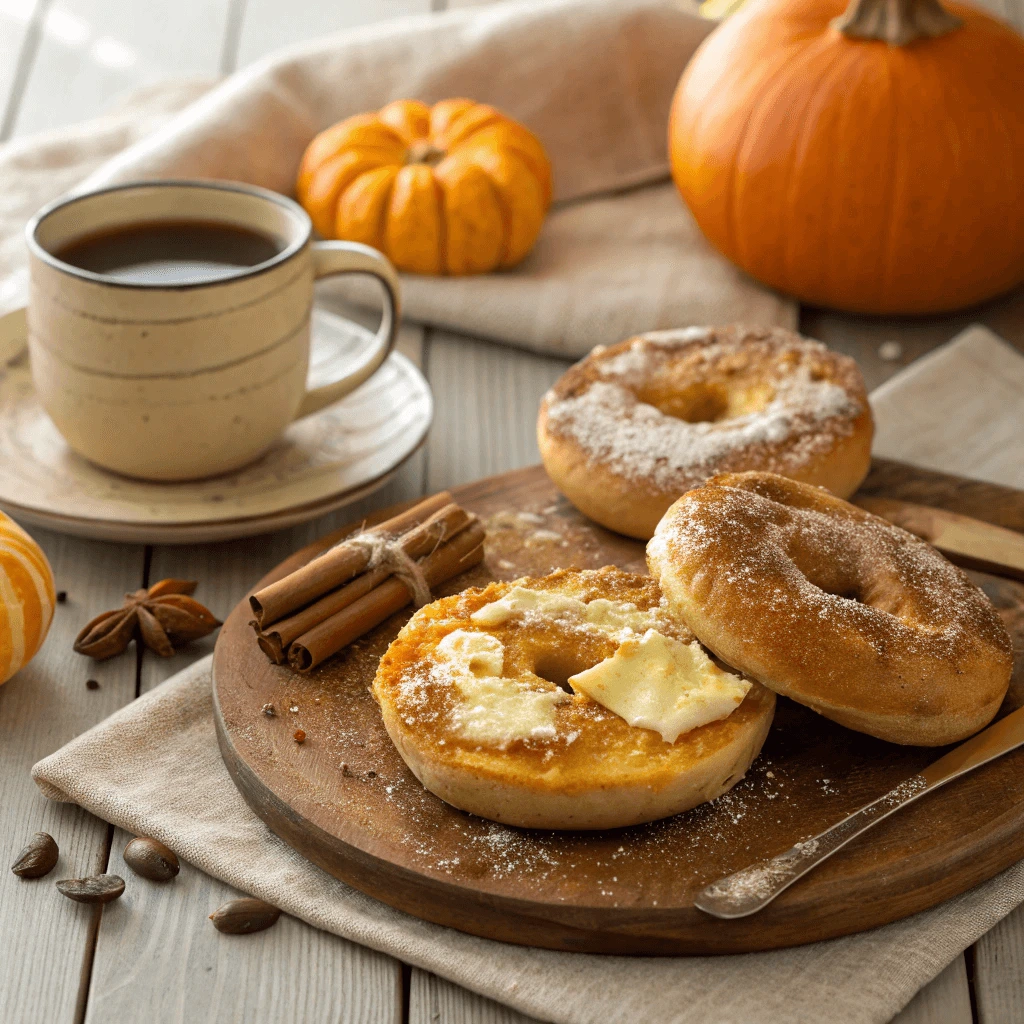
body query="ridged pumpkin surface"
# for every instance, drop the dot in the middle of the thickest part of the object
(26, 597)
(852, 173)
(457, 188)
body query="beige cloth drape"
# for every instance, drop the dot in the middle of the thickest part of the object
(154, 768)
(619, 254)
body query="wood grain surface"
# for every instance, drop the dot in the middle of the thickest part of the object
(346, 800)
(41, 708)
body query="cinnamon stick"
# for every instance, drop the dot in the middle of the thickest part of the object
(270, 645)
(334, 567)
(465, 550)
(439, 528)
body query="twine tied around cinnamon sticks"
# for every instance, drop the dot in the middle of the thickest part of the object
(334, 599)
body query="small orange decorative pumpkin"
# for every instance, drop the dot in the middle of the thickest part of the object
(457, 188)
(26, 597)
(871, 160)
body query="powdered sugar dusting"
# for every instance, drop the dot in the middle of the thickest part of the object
(606, 415)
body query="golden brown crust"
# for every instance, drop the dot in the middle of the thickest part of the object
(833, 607)
(597, 771)
(629, 428)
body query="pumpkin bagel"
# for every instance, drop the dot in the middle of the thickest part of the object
(474, 695)
(628, 429)
(833, 607)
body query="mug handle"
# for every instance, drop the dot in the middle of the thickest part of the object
(13, 335)
(353, 258)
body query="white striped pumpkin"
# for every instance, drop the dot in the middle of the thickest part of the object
(26, 597)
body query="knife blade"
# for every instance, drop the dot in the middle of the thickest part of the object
(750, 890)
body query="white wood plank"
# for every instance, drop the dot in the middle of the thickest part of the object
(16, 19)
(433, 1000)
(269, 24)
(45, 936)
(159, 959)
(159, 950)
(947, 1000)
(486, 398)
(999, 972)
(93, 50)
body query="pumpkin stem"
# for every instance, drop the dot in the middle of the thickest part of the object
(896, 22)
(422, 152)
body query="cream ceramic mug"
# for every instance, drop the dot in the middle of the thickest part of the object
(181, 381)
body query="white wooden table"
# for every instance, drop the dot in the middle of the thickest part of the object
(153, 956)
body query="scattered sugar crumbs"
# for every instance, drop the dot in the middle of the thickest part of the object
(526, 542)
(726, 829)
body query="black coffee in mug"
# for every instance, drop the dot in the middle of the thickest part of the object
(170, 252)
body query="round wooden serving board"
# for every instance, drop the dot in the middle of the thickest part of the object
(346, 800)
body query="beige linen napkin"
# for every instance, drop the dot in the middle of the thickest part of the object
(593, 79)
(154, 768)
(967, 413)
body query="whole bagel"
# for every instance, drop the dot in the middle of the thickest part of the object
(628, 429)
(586, 768)
(833, 607)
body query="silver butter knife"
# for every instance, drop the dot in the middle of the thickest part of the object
(748, 891)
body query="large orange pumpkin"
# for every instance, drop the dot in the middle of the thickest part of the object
(872, 162)
(457, 188)
(26, 597)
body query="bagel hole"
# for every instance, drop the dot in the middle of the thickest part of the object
(698, 403)
(844, 589)
(557, 666)
(707, 402)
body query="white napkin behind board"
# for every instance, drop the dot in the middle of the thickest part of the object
(154, 768)
(966, 415)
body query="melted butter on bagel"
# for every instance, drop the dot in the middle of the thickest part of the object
(494, 709)
(651, 681)
(477, 695)
(658, 683)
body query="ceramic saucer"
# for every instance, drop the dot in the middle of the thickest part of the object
(321, 463)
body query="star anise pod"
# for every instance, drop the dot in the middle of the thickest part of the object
(163, 617)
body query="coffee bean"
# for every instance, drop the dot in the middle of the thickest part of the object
(92, 684)
(244, 916)
(38, 858)
(93, 889)
(62, 596)
(151, 859)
